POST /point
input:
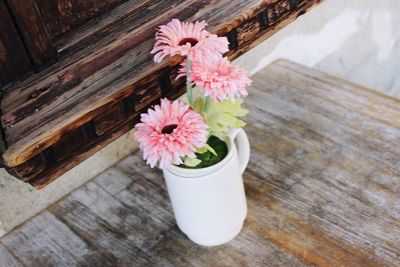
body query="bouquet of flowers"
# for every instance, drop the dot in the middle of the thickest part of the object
(190, 133)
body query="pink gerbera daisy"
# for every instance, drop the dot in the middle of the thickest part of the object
(218, 78)
(187, 39)
(169, 132)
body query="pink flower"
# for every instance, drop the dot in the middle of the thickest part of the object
(170, 131)
(218, 78)
(187, 39)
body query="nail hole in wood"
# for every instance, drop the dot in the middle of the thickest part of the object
(263, 19)
(128, 105)
(294, 4)
(165, 82)
(232, 38)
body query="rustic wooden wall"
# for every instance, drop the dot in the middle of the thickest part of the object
(14, 60)
(43, 22)
(54, 122)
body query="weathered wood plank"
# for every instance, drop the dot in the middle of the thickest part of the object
(364, 123)
(139, 214)
(7, 259)
(45, 241)
(60, 16)
(174, 246)
(126, 16)
(44, 168)
(80, 92)
(327, 173)
(113, 181)
(14, 61)
(322, 189)
(320, 210)
(33, 29)
(107, 224)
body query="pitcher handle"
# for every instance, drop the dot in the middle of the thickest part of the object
(243, 146)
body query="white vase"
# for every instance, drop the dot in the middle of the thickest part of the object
(210, 203)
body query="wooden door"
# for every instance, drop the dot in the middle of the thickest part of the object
(14, 60)
(46, 25)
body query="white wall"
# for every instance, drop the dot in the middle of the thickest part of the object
(358, 40)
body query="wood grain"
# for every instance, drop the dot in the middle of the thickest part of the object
(45, 23)
(61, 16)
(322, 148)
(49, 242)
(34, 32)
(7, 259)
(14, 60)
(323, 189)
(41, 111)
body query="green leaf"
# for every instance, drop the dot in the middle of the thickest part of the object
(231, 107)
(222, 116)
(209, 148)
(202, 150)
(208, 158)
(205, 149)
(191, 162)
(219, 147)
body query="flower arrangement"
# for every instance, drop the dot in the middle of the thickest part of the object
(190, 133)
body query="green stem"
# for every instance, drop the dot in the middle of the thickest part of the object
(207, 104)
(189, 89)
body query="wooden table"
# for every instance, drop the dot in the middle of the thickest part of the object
(323, 188)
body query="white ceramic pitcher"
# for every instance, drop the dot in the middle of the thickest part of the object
(210, 203)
